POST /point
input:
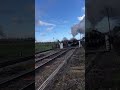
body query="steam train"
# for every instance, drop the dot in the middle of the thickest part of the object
(73, 42)
(92, 40)
(70, 43)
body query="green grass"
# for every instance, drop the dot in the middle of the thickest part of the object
(43, 46)
(16, 49)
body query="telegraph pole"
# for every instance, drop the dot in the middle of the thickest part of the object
(107, 10)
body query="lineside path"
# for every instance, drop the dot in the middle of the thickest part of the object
(73, 76)
(105, 73)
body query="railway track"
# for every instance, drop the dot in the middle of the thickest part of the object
(50, 79)
(27, 58)
(40, 55)
(46, 59)
(43, 51)
(12, 62)
(13, 65)
(15, 81)
(72, 76)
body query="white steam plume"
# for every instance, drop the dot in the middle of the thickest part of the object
(78, 28)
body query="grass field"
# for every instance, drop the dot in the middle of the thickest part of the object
(43, 46)
(16, 49)
(10, 49)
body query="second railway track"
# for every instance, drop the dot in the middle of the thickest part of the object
(26, 79)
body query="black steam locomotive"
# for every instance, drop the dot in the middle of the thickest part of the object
(70, 43)
(73, 42)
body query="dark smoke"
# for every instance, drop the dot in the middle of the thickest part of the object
(96, 10)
